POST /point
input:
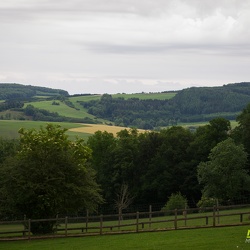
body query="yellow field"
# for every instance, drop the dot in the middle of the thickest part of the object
(92, 128)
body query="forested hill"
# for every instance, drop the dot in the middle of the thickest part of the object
(188, 105)
(19, 91)
(195, 104)
(207, 100)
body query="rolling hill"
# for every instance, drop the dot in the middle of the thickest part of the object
(141, 110)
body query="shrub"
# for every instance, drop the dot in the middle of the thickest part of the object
(175, 201)
(206, 202)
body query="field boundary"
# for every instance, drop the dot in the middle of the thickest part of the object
(178, 219)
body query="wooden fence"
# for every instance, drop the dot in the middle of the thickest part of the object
(131, 222)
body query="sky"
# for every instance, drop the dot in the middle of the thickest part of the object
(124, 46)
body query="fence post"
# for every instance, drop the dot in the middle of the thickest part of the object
(119, 218)
(214, 217)
(66, 226)
(29, 228)
(218, 212)
(87, 220)
(175, 219)
(150, 215)
(101, 223)
(185, 215)
(241, 218)
(24, 225)
(56, 222)
(137, 222)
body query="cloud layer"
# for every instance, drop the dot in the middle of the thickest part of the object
(124, 45)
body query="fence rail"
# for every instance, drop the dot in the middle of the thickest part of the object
(131, 222)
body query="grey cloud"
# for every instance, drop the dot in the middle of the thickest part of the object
(138, 7)
(219, 49)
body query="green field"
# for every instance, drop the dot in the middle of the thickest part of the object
(202, 239)
(61, 109)
(146, 96)
(142, 96)
(9, 128)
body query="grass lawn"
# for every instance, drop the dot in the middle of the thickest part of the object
(204, 239)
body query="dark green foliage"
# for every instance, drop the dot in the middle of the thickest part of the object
(8, 148)
(224, 176)
(155, 164)
(23, 92)
(242, 132)
(188, 105)
(11, 104)
(50, 175)
(206, 100)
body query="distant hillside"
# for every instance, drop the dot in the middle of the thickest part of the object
(188, 105)
(142, 110)
(22, 92)
(207, 100)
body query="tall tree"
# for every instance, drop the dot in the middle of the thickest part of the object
(103, 145)
(208, 136)
(224, 175)
(242, 132)
(49, 175)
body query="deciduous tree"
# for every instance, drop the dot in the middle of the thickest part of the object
(49, 175)
(224, 176)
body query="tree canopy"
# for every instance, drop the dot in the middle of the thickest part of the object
(50, 175)
(224, 176)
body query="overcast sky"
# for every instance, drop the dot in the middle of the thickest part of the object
(131, 46)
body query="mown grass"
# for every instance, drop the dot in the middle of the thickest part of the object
(203, 239)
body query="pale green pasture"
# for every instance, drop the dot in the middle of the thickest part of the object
(84, 98)
(142, 96)
(61, 109)
(146, 96)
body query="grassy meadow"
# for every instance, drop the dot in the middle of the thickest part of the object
(202, 239)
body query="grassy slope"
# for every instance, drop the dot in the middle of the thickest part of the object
(203, 239)
(61, 109)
